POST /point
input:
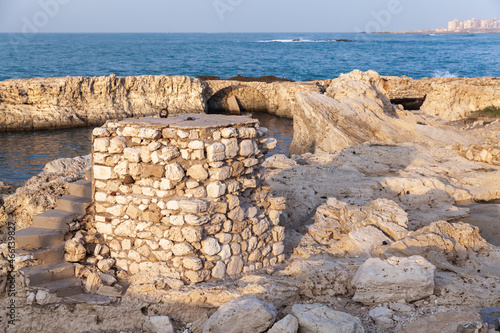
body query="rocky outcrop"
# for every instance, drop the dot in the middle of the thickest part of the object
(48, 103)
(379, 281)
(446, 98)
(425, 181)
(276, 98)
(356, 110)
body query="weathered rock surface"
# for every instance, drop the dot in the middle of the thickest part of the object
(318, 318)
(394, 279)
(447, 98)
(289, 324)
(356, 110)
(47, 103)
(247, 314)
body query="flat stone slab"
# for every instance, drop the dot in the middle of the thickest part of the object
(90, 299)
(199, 121)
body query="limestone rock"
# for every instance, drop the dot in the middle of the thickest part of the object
(383, 317)
(84, 101)
(289, 324)
(247, 314)
(354, 110)
(93, 283)
(394, 279)
(75, 251)
(161, 324)
(318, 318)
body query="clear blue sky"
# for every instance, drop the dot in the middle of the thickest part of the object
(236, 15)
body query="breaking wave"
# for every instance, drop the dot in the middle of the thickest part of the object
(441, 73)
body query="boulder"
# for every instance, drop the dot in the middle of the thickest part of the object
(394, 279)
(289, 324)
(246, 314)
(318, 318)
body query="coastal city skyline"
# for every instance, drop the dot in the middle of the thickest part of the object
(237, 15)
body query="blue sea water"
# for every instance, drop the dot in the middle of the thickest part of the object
(312, 56)
(315, 56)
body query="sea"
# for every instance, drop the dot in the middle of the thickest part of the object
(296, 56)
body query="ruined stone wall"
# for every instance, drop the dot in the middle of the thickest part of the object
(187, 196)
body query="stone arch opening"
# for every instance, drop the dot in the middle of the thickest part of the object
(249, 100)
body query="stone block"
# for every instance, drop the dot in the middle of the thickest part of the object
(193, 206)
(174, 172)
(101, 145)
(197, 172)
(221, 173)
(246, 148)
(103, 172)
(232, 148)
(117, 145)
(192, 263)
(197, 144)
(210, 246)
(132, 155)
(216, 189)
(216, 152)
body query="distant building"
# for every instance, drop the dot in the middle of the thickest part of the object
(473, 24)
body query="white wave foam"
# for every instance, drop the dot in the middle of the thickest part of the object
(298, 40)
(442, 73)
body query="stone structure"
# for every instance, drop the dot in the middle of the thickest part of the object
(186, 194)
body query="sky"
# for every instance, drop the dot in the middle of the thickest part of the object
(237, 15)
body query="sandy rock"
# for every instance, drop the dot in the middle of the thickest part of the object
(247, 314)
(379, 281)
(289, 324)
(318, 318)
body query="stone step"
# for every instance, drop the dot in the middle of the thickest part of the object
(81, 188)
(90, 299)
(71, 203)
(36, 238)
(54, 219)
(62, 288)
(37, 275)
(42, 256)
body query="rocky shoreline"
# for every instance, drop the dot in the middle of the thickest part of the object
(51, 103)
(370, 188)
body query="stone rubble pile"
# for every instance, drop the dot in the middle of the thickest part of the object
(188, 195)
